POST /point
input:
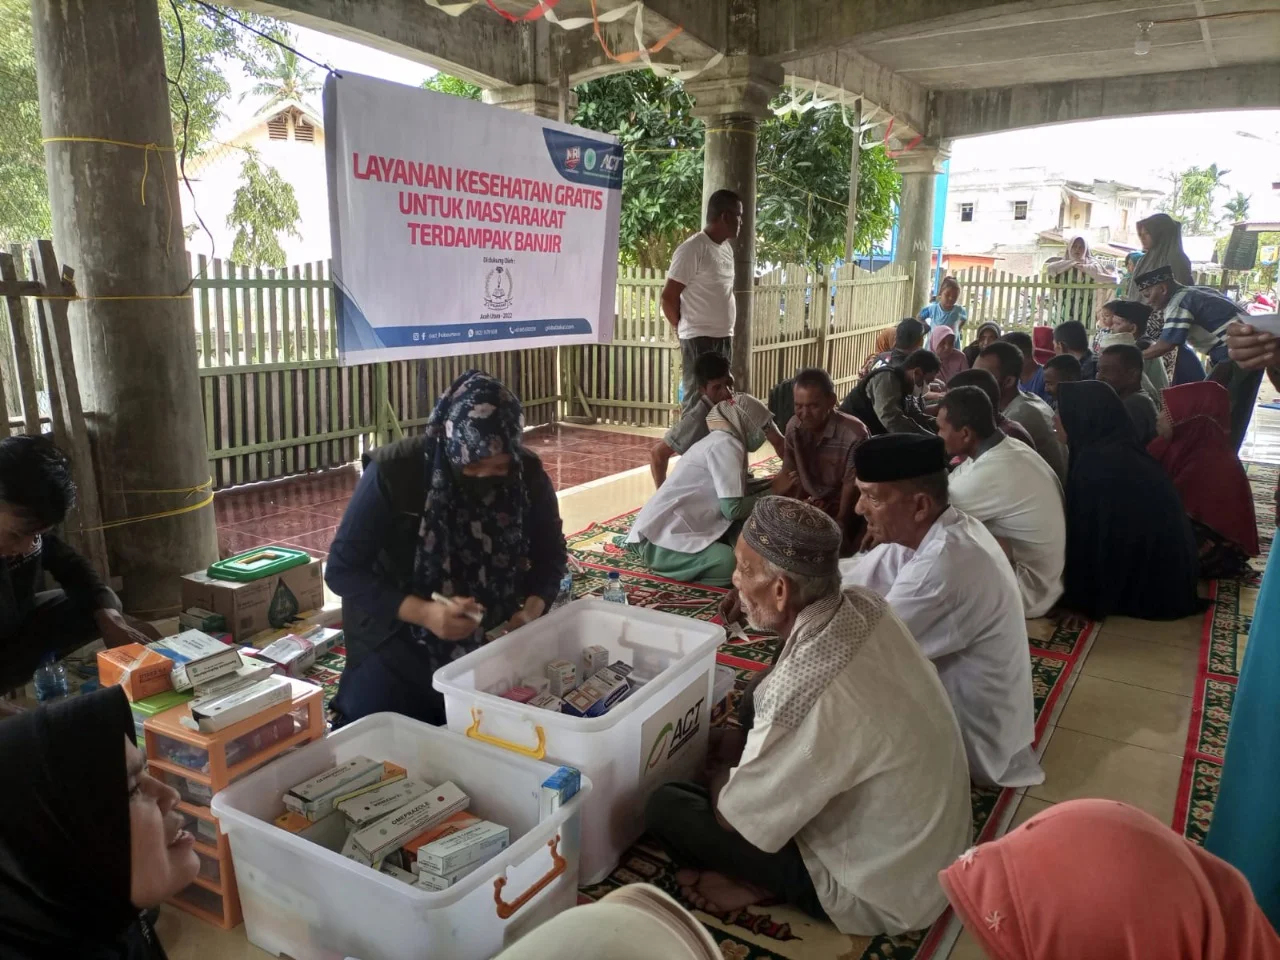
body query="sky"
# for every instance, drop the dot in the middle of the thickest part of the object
(1142, 151)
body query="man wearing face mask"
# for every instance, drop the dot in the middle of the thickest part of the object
(463, 511)
(36, 491)
(687, 529)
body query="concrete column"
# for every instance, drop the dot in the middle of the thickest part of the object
(100, 71)
(731, 99)
(915, 215)
(537, 99)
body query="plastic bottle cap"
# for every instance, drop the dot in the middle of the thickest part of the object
(614, 575)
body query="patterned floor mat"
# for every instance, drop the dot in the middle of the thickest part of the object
(1226, 632)
(781, 932)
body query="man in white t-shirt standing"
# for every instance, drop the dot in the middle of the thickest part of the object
(698, 297)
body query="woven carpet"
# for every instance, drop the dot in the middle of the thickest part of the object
(779, 931)
(1226, 631)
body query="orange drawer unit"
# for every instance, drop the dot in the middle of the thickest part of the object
(198, 765)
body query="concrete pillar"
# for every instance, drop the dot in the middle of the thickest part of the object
(915, 215)
(731, 99)
(537, 99)
(100, 71)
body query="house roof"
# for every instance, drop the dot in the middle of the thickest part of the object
(267, 113)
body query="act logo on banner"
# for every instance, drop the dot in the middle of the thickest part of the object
(460, 227)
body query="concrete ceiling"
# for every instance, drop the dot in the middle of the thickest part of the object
(1075, 42)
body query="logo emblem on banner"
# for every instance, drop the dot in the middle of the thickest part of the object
(571, 156)
(498, 289)
(589, 161)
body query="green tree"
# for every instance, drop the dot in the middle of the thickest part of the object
(264, 207)
(443, 83)
(207, 40)
(804, 188)
(803, 161)
(1238, 207)
(1193, 198)
(282, 78)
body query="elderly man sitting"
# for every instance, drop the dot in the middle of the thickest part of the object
(948, 580)
(851, 791)
(686, 530)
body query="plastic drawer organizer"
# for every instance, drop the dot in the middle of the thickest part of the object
(198, 765)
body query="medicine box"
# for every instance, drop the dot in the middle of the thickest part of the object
(562, 676)
(451, 824)
(391, 832)
(217, 713)
(197, 658)
(386, 798)
(594, 657)
(250, 671)
(247, 606)
(314, 798)
(139, 672)
(476, 843)
(291, 655)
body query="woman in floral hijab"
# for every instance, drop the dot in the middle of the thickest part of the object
(463, 511)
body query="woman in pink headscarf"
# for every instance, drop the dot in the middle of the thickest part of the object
(1101, 880)
(942, 341)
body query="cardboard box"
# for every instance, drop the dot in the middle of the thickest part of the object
(330, 832)
(218, 713)
(563, 677)
(197, 658)
(247, 606)
(198, 619)
(392, 831)
(557, 790)
(547, 701)
(594, 657)
(475, 844)
(139, 672)
(520, 694)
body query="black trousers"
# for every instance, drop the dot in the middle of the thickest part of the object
(384, 682)
(55, 624)
(681, 817)
(1242, 385)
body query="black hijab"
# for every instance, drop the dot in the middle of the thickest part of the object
(64, 833)
(1130, 546)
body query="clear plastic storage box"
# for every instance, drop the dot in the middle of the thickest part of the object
(304, 901)
(656, 735)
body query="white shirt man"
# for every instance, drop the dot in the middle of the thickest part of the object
(851, 787)
(954, 589)
(1010, 488)
(705, 267)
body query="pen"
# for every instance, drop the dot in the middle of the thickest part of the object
(475, 615)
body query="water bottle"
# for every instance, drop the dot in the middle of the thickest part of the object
(566, 591)
(614, 592)
(51, 680)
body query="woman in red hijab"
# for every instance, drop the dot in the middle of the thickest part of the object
(1195, 449)
(1100, 880)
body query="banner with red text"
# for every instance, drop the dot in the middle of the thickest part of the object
(460, 227)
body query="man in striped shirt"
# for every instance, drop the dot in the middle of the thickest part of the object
(1198, 317)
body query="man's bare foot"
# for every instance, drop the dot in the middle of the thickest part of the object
(717, 894)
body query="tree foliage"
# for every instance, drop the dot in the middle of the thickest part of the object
(1193, 198)
(264, 207)
(1238, 207)
(282, 78)
(803, 162)
(206, 38)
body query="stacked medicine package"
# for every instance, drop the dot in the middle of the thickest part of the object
(224, 684)
(422, 834)
(586, 689)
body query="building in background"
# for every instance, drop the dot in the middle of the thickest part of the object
(289, 137)
(1023, 216)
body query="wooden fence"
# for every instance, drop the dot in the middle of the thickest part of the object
(277, 402)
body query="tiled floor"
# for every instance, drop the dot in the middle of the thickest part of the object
(1120, 734)
(304, 512)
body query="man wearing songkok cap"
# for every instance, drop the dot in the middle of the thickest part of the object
(1198, 317)
(686, 530)
(949, 581)
(851, 789)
